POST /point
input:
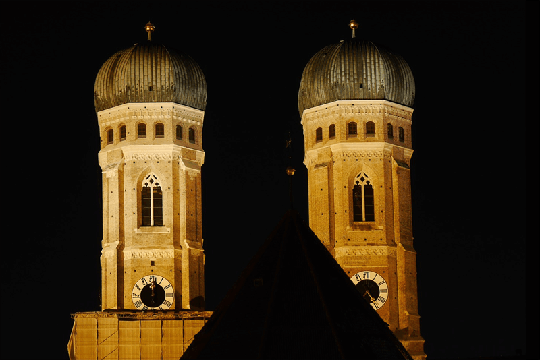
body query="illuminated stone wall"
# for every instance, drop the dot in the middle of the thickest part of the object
(385, 245)
(172, 250)
(125, 336)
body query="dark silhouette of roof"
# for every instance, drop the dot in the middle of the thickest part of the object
(293, 301)
(355, 70)
(149, 72)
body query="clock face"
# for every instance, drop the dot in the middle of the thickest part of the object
(372, 286)
(152, 292)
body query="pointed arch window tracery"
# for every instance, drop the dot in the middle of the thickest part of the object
(363, 199)
(151, 201)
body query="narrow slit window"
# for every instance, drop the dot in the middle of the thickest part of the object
(352, 128)
(110, 136)
(401, 133)
(122, 132)
(369, 205)
(141, 130)
(390, 130)
(370, 128)
(159, 130)
(178, 132)
(357, 203)
(318, 135)
(332, 131)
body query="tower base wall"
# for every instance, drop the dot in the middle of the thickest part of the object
(134, 335)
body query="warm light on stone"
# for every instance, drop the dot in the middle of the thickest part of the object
(385, 245)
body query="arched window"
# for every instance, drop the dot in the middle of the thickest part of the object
(370, 128)
(141, 130)
(352, 128)
(318, 134)
(159, 130)
(122, 132)
(390, 130)
(178, 132)
(363, 200)
(332, 131)
(151, 201)
(191, 135)
(401, 133)
(110, 136)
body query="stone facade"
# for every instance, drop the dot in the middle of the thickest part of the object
(171, 248)
(384, 244)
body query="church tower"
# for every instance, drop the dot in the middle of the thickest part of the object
(355, 100)
(150, 103)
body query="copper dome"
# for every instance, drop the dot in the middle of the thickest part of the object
(355, 70)
(149, 72)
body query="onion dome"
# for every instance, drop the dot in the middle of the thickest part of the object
(355, 70)
(149, 72)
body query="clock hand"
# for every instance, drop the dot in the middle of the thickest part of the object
(368, 294)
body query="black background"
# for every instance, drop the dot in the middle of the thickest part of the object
(468, 170)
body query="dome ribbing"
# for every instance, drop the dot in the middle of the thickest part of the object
(149, 72)
(355, 70)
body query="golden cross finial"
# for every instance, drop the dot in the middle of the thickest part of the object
(149, 29)
(353, 25)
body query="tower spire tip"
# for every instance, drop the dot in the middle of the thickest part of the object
(353, 25)
(149, 27)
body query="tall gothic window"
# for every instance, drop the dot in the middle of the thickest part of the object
(370, 128)
(159, 130)
(151, 201)
(332, 131)
(352, 128)
(318, 134)
(141, 130)
(363, 199)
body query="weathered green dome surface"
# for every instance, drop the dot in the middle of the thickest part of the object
(149, 72)
(355, 70)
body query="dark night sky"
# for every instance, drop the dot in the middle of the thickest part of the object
(468, 169)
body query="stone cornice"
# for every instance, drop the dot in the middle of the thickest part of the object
(150, 111)
(156, 152)
(138, 253)
(365, 251)
(388, 108)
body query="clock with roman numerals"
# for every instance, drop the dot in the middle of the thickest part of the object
(152, 292)
(372, 286)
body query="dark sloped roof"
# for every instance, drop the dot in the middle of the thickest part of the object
(294, 301)
(355, 70)
(149, 72)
